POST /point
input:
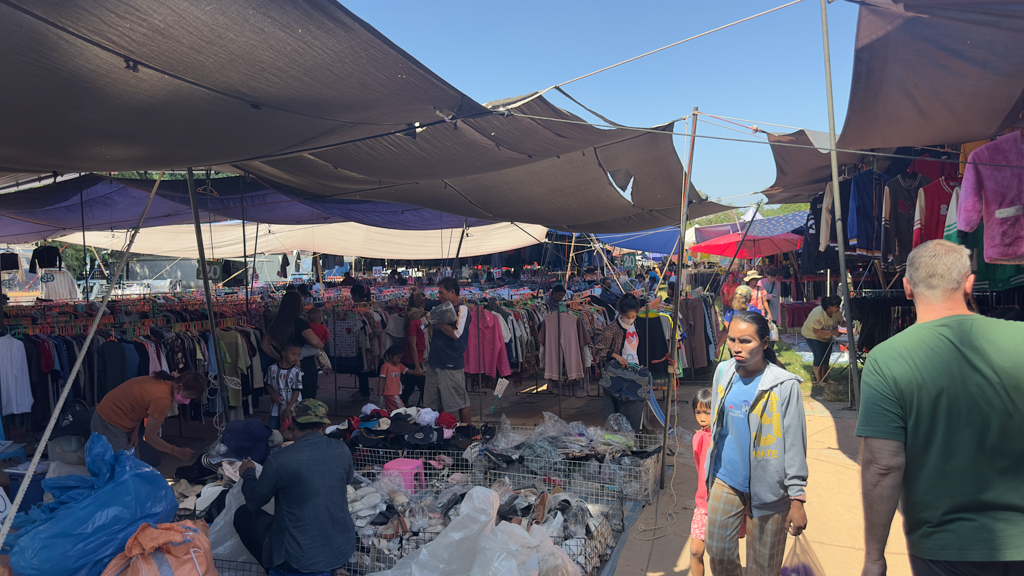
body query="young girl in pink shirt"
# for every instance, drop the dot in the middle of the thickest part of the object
(701, 442)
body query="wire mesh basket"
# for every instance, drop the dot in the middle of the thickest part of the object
(226, 568)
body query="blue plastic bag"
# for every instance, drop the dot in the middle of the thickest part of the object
(92, 517)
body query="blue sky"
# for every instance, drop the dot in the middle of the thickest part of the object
(770, 69)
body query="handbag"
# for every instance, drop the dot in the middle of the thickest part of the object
(627, 383)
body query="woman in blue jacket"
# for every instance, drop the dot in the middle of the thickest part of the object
(757, 462)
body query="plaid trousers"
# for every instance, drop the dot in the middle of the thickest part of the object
(766, 535)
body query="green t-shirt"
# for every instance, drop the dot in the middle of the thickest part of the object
(952, 390)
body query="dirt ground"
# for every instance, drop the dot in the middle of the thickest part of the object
(835, 520)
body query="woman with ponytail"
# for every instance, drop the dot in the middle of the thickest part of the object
(757, 463)
(122, 411)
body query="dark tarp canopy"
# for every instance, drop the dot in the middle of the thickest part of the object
(930, 72)
(116, 204)
(925, 73)
(308, 95)
(802, 165)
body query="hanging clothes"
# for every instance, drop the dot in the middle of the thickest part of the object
(485, 350)
(995, 195)
(45, 257)
(933, 205)
(16, 390)
(898, 216)
(867, 196)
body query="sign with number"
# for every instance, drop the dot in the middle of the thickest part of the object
(497, 272)
(447, 273)
(526, 276)
(47, 277)
(378, 270)
(629, 261)
(213, 270)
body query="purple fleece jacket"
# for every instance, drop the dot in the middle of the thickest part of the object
(996, 195)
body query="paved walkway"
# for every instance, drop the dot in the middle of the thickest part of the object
(835, 518)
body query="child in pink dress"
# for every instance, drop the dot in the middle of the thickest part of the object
(701, 442)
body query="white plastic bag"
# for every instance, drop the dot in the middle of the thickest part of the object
(223, 538)
(473, 546)
(801, 560)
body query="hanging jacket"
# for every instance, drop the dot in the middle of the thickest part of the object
(995, 195)
(778, 437)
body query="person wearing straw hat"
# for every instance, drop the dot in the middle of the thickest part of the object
(758, 295)
(311, 530)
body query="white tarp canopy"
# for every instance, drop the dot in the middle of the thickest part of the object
(224, 240)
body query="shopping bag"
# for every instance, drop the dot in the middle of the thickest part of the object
(801, 560)
(773, 331)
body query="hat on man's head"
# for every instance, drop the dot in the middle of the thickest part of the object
(310, 411)
(752, 275)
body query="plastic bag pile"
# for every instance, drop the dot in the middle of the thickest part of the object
(91, 517)
(473, 545)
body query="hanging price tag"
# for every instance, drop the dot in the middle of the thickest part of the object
(497, 273)
(378, 270)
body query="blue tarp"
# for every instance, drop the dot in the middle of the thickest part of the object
(116, 204)
(663, 240)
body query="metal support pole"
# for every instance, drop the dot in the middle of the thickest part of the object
(684, 213)
(209, 295)
(255, 255)
(245, 252)
(572, 255)
(85, 252)
(455, 264)
(837, 207)
(558, 357)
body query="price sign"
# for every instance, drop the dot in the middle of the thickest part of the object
(526, 276)
(378, 270)
(255, 278)
(497, 273)
(629, 261)
(447, 273)
(47, 277)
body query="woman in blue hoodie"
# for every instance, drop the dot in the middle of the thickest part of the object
(757, 462)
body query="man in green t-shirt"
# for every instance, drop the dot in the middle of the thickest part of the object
(942, 422)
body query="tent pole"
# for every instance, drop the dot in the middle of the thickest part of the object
(837, 206)
(455, 264)
(209, 295)
(85, 252)
(245, 251)
(572, 255)
(684, 214)
(255, 252)
(738, 248)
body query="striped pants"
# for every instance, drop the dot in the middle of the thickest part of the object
(766, 535)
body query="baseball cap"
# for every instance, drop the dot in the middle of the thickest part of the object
(310, 411)
(402, 423)
(423, 435)
(446, 420)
